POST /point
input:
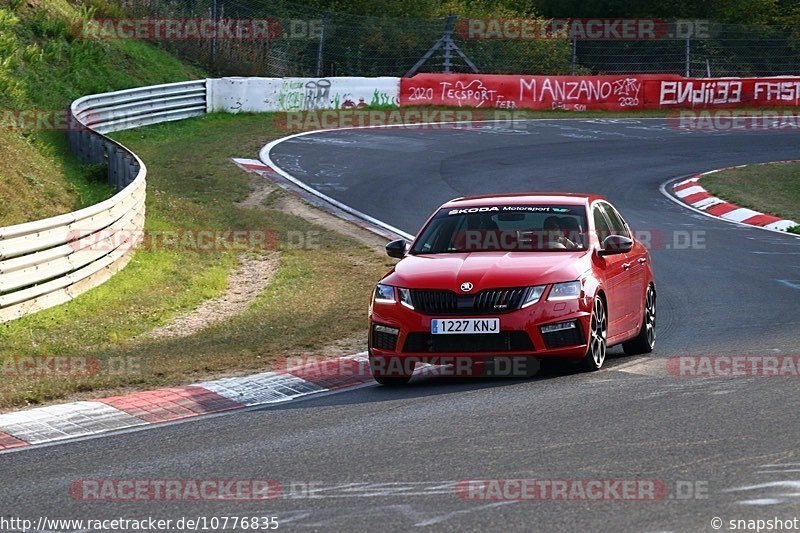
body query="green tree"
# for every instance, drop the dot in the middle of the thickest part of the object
(731, 11)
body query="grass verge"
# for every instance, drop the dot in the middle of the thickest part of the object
(319, 295)
(772, 188)
(43, 67)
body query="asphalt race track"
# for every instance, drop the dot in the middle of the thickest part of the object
(388, 459)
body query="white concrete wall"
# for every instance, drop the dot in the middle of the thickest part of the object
(259, 95)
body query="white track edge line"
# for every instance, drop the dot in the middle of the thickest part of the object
(264, 156)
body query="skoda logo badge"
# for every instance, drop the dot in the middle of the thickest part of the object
(466, 286)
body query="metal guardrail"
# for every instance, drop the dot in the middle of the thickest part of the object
(49, 262)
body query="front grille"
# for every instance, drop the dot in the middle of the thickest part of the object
(507, 341)
(383, 340)
(489, 301)
(566, 337)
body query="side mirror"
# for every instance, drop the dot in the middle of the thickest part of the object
(615, 244)
(397, 249)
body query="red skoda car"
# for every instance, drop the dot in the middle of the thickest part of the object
(523, 276)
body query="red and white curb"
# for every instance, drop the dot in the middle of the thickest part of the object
(81, 419)
(691, 193)
(252, 165)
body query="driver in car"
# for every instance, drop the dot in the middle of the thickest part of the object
(555, 235)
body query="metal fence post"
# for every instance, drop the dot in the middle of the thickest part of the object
(71, 137)
(688, 56)
(98, 152)
(108, 157)
(448, 51)
(449, 45)
(92, 149)
(128, 161)
(113, 167)
(574, 53)
(85, 147)
(325, 18)
(214, 40)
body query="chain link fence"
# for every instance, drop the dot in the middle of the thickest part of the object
(306, 42)
(726, 50)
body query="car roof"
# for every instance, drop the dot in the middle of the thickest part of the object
(534, 198)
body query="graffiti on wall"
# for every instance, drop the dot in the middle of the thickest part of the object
(511, 92)
(299, 94)
(700, 92)
(576, 93)
(304, 95)
(641, 91)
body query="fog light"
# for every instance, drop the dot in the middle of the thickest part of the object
(561, 326)
(384, 337)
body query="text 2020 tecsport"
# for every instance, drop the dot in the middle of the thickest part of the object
(529, 276)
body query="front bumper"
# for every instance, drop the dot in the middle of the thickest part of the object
(520, 333)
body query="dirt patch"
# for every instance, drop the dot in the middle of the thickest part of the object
(270, 195)
(255, 272)
(344, 347)
(262, 190)
(267, 194)
(250, 278)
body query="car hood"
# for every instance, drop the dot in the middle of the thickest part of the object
(488, 270)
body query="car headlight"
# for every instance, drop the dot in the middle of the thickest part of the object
(565, 291)
(384, 293)
(405, 297)
(533, 295)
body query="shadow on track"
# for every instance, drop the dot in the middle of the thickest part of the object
(428, 386)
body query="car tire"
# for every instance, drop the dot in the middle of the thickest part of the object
(395, 380)
(598, 337)
(392, 381)
(645, 341)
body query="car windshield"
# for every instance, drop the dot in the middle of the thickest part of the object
(506, 228)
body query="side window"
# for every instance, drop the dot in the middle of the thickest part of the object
(600, 223)
(449, 232)
(618, 226)
(437, 235)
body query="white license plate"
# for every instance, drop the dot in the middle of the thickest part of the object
(450, 326)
